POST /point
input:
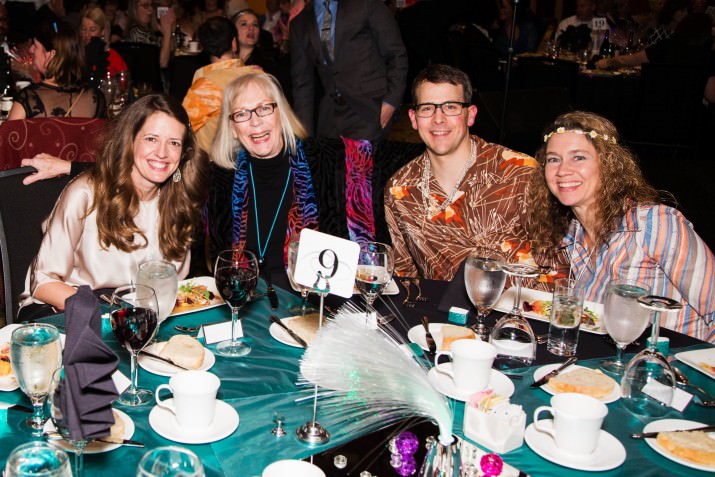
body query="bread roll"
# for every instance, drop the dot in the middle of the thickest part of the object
(305, 326)
(452, 333)
(695, 446)
(5, 367)
(587, 381)
(184, 351)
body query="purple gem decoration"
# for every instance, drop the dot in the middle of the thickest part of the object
(491, 465)
(407, 443)
(408, 467)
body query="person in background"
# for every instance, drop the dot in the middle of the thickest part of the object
(585, 10)
(59, 58)
(144, 28)
(526, 36)
(116, 19)
(589, 200)
(670, 15)
(203, 99)
(93, 31)
(141, 200)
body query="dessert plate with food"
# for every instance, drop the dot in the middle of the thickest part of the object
(702, 359)
(180, 349)
(581, 380)
(306, 327)
(443, 333)
(694, 449)
(123, 428)
(498, 382)
(536, 304)
(195, 294)
(8, 382)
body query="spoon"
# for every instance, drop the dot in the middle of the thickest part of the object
(683, 380)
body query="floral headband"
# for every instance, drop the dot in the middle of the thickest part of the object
(592, 134)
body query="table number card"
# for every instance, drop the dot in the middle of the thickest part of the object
(323, 258)
(599, 23)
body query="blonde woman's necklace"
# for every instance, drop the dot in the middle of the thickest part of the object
(262, 248)
(432, 208)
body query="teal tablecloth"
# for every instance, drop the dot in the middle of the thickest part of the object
(264, 382)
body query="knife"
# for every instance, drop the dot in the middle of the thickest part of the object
(545, 378)
(649, 435)
(161, 358)
(55, 436)
(292, 334)
(431, 345)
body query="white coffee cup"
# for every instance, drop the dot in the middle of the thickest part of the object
(194, 401)
(577, 422)
(292, 468)
(193, 46)
(471, 364)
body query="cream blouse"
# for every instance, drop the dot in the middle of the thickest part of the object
(70, 251)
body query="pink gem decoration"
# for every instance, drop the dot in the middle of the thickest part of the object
(491, 465)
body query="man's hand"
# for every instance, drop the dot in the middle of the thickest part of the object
(386, 114)
(47, 166)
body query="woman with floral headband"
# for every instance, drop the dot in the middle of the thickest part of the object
(590, 201)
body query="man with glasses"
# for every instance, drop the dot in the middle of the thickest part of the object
(463, 195)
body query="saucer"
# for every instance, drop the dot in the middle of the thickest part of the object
(609, 453)
(164, 423)
(95, 447)
(614, 396)
(161, 368)
(498, 381)
(672, 425)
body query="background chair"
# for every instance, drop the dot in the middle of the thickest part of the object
(71, 139)
(22, 211)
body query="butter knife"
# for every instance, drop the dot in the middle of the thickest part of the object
(545, 379)
(161, 358)
(649, 435)
(55, 436)
(292, 333)
(431, 345)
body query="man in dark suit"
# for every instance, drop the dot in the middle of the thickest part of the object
(353, 56)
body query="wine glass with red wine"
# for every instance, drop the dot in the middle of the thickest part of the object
(134, 314)
(236, 275)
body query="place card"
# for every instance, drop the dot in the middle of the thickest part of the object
(217, 332)
(659, 391)
(599, 23)
(121, 382)
(326, 262)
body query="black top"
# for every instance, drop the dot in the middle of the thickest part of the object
(46, 100)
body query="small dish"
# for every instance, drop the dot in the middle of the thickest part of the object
(161, 368)
(210, 285)
(672, 425)
(95, 447)
(614, 396)
(164, 423)
(702, 360)
(416, 335)
(281, 335)
(498, 381)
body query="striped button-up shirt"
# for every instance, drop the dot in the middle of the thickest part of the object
(656, 245)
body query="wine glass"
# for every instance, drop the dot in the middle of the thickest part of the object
(170, 461)
(57, 387)
(512, 335)
(374, 271)
(162, 278)
(134, 318)
(484, 279)
(37, 458)
(624, 318)
(35, 353)
(292, 259)
(236, 274)
(648, 383)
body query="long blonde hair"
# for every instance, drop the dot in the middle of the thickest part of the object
(225, 145)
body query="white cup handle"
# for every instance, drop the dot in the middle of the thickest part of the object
(163, 403)
(537, 422)
(441, 369)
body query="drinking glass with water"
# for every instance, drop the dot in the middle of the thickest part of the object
(566, 311)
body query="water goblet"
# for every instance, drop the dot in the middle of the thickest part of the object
(170, 461)
(160, 276)
(648, 383)
(236, 274)
(512, 335)
(624, 318)
(39, 459)
(35, 353)
(292, 259)
(134, 318)
(55, 398)
(484, 279)
(374, 271)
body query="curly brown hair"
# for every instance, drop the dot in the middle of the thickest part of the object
(116, 199)
(622, 184)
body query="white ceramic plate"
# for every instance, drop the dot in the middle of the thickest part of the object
(281, 335)
(498, 381)
(294, 468)
(673, 425)
(164, 423)
(416, 334)
(702, 360)
(95, 447)
(161, 368)
(210, 285)
(609, 452)
(506, 302)
(542, 371)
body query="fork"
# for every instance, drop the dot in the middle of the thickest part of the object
(419, 296)
(407, 302)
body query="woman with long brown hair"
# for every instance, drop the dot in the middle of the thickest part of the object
(142, 200)
(590, 201)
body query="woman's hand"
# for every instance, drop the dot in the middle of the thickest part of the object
(47, 166)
